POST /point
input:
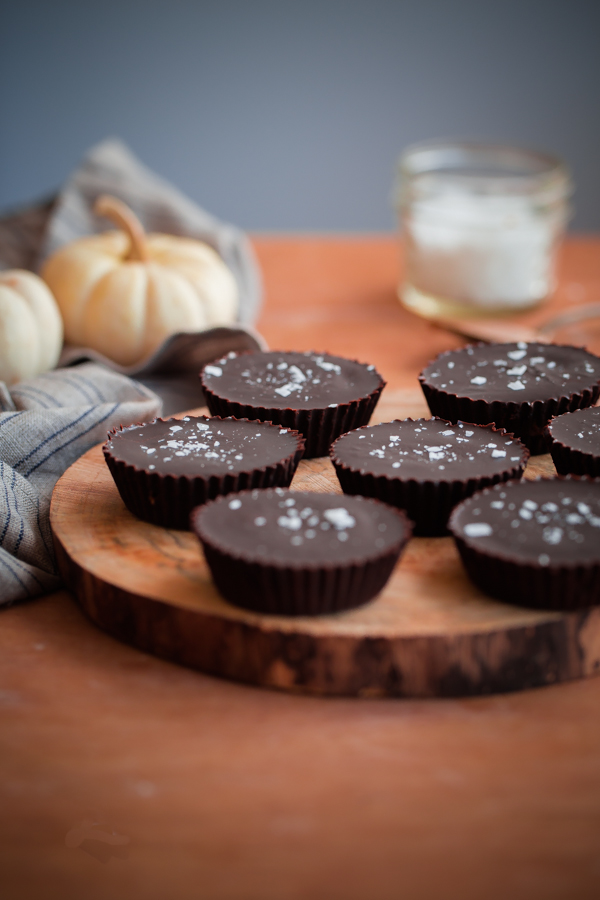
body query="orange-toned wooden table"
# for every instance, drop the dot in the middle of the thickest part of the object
(122, 776)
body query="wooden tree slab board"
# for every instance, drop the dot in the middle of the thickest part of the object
(429, 633)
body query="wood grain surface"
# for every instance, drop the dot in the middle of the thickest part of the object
(126, 777)
(430, 632)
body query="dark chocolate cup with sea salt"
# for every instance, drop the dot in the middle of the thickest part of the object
(517, 386)
(575, 442)
(319, 395)
(165, 468)
(299, 553)
(533, 543)
(425, 466)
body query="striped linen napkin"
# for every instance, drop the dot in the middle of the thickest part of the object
(46, 423)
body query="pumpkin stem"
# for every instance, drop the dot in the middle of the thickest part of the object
(124, 218)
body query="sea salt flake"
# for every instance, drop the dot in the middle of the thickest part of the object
(516, 385)
(340, 518)
(552, 535)
(517, 354)
(478, 529)
(215, 371)
(517, 370)
(260, 521)
(234, 504)
(544, 559)
(479, 379)
(574, 519)
(286, 389)
(537, 360)
(294, 523)
(327, 366)
(497, 454)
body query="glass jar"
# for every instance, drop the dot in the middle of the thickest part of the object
(481, 226)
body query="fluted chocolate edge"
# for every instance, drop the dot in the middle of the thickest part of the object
(557, 586)
(283, 590)
(427, 502)
(320, 427)
(527, 420)
(569, 461)
(168, 500)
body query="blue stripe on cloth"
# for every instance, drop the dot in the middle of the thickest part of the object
(18, 512)
(77, 383)
(77, 436)
(35, 393)
(8, 518)
(7, 416)
(53, 437)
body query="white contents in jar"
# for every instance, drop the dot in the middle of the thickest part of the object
(481, 250)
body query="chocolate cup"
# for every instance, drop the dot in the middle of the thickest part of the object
(168, 500)
(570, 461)
(527, 420)
(319, 588)
(557, 586)
(288, 592)
(428, 502)
(320, 426)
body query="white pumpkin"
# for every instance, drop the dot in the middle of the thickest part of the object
(31, 329)
(123, 293)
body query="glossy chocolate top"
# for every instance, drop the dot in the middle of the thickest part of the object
(429, 450)
(300, 528)
(546, 522)
(276, 380)
(202, 446)
(579, 430)
(513, 372)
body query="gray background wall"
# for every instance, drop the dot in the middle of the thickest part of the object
(282, 115)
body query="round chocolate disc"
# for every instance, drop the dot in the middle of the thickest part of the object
(429, 450)
(514, 372)
(579, 430)
(533, 543)
(201, 445)
(300, 528)
(425, 466)
(279, 380)
(547, 522)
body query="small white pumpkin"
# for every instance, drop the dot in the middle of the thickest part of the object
(31, 329)
(124, 292)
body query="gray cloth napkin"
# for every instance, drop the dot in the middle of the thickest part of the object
(45, 425)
